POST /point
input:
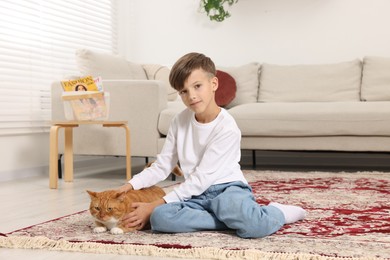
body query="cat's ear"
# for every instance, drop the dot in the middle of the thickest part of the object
(121, 195)
(92, 194)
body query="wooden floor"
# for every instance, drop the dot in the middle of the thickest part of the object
(29, 201)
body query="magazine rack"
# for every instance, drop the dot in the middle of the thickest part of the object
(86, 106)
(68, 153)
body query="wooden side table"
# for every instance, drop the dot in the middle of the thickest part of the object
(68, 153)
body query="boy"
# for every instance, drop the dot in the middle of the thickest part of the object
(205, 139)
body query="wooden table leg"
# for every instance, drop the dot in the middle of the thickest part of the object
(68, 154)
(68, 150)
(53, 169)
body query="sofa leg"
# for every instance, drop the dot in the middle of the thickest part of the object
(254, 159)
(59, 166)
(146, 160)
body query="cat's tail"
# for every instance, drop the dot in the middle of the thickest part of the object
(176, 171)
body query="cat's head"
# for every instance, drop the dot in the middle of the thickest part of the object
(107, 206)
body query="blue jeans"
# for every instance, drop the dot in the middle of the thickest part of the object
(222, 206)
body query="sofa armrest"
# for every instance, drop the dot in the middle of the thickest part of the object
(137, 101)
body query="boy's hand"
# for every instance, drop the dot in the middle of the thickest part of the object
(125, 188)
(140, 217)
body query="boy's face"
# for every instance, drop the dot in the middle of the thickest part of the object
(199, 91)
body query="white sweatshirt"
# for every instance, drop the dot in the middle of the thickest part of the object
(208, 153)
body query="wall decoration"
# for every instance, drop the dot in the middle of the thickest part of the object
(216, 10)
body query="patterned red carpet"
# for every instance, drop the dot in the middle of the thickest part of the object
(348, 217)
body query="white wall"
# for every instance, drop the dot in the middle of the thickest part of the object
(23, 155)
(28, 155)
(273, 31)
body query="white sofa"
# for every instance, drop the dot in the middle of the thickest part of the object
(333, 107)
(343, 106)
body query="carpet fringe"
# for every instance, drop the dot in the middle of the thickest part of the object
(24, 242)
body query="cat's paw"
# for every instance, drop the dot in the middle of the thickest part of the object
(99, 229)
(116, 231)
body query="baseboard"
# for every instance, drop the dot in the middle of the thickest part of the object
(98, 164)
(282, 160)
(40, 171)
(82, 165)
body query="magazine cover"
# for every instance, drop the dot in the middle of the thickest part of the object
(82, 84)
(86, 106)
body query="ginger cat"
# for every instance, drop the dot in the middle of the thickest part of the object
(108, 207)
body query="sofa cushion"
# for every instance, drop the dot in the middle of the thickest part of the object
(247, 82)
(289, 119)
(305, 83)
(227, 88)
(159, 72)
(108, 66)
(376, 79)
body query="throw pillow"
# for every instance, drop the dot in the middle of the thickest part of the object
(226, 91)
(159, 72)
(247, 82)
(310, 82)
(108, 66)
(376, 79)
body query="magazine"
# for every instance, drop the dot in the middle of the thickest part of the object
(99, 83)
(82, 84)
(85, 106)
(85, 99)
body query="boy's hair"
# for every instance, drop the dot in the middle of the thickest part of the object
(182, 69)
